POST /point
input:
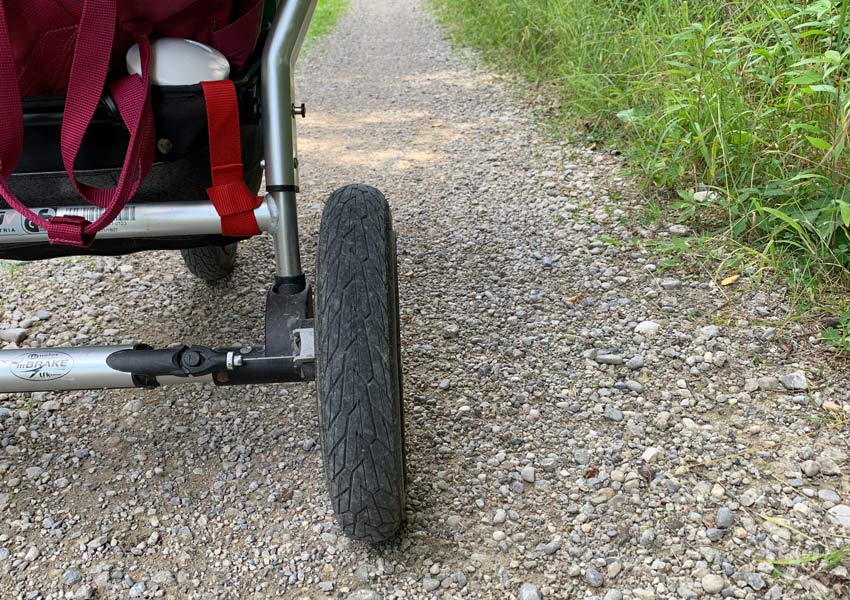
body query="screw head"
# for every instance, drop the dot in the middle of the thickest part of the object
(164, 146)
(192, 358)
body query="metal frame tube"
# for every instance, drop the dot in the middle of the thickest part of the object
(281, 148)
(159, 220)
(68, 368)
(61, 369)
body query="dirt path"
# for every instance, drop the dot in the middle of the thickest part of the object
(582, 420)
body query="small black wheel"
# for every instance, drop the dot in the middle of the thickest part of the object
(359, 365)
(210, 263)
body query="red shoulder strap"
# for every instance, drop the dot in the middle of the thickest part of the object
(229, 193)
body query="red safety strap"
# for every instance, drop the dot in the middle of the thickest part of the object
(229, 193)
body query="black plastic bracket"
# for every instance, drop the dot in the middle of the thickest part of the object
(282, 360)
(288, 356)
(146, 363)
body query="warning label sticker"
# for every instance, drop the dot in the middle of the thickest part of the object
(12, 223)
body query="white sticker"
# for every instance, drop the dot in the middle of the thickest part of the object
(12, 223)
(46, 365)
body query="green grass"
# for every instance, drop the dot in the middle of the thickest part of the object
(747, 100)
(325, 18)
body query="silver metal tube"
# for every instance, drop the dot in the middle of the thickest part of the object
(281, 147)
(57, 369)
(287, 249)
(65, 369)
(171, 380)
(161, 219)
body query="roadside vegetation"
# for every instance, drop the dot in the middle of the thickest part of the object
(734, 115)
(325, 18)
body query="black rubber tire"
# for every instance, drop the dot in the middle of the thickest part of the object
(210, 263)
(358, 364)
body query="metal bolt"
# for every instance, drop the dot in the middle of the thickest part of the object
(165, 146)
(192, 358)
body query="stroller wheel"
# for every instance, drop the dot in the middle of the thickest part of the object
(210, 263)
(359, 366)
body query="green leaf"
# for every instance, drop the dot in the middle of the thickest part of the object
(741, 137)
(832, 56)
(844, 209)
(824, 88)
(806, 78)
(680, 244)
(819, 143)
(627, 116)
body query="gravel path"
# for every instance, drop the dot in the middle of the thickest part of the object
(582, 421)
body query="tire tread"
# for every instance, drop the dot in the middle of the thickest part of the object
(358, 370)
(210, 263)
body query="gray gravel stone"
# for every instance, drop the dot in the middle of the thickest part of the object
(133, 406)
(615, 414)
(725, 518)
(635, 386)
(429, 584)
(164, 578)
(84, 592)
(840, 515)
(593, 577)
(529, 591)
(364, 594)
(581, 456)
(610, 359)
(755, 581)
(613, 595)
(636, 362)
(709, 332)
(829, 495)
(768, 384)
(71, 577)
(794, 381)
(650, 454)
(712, 584)
(810, 468)
(647, 328)
(552, 547)
(14, 335)
(97, 542)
